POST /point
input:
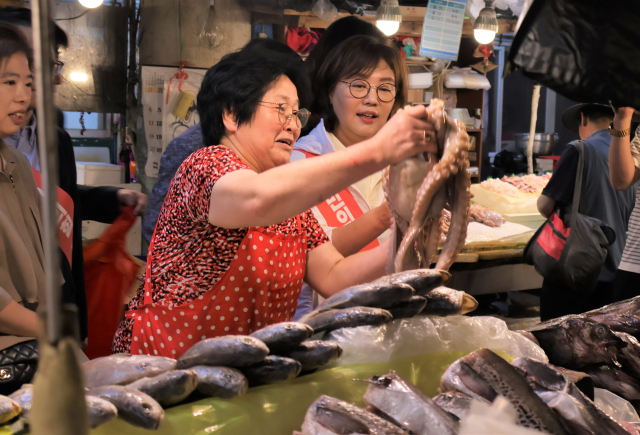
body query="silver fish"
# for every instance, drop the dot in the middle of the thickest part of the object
(220, 381)
(408, 407)
(508, 382)
(445, 301)
(348, 318)
(168, 388)
(623, 316)
(133, 406)
(23, 397)
(575, 341)
(122, 369)
(328, 415)
(99, 411)
(9, 409)
(408, 309)
(374, 294)
(456, 403)
(630, 355)
(315, 353)
(421, 280)
(273, 369)
(229, 350)
(459, 376)
(283, 336)
(544, 376)
(615, 380)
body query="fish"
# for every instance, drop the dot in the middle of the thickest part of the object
(133, 406)
(623, 316)
(630, 354)
(282, 336)
(348, 318)
(408, 309)
(456, 403)
(228, 351)
(406, 406)
(273, 369)
(168, 388)
(460, 377)
(508, 382)
(421, 280)
(9, 409)
(122, 369)
(221, 382)
(376, 294)
(581, 380)
(445, 301)
(615, 380)
(544, 376)
(99, 411)
(575, 341)
(328, 416)
(23, 397)
(315, 353)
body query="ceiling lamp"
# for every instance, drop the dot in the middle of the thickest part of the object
(90, 3)
(486, 25)
(388, 17)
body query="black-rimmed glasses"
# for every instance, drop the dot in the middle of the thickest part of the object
(286, 112)
(360, 89)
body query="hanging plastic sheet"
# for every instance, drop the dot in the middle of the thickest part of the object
(586, 50)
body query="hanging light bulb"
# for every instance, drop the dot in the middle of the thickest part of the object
(90, 3)
(211, 35)
(486, 25)
(388, 17)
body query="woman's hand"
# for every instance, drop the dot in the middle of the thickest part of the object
(384, 215)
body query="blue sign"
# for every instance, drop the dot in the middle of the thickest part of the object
(442, 29)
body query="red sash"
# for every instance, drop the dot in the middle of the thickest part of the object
(65, 217)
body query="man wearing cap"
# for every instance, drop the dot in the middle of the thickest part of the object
(624, 167)
(601, 201)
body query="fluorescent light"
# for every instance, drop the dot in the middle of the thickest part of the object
(91, 3)
(388, 17)
(78, 77)
(388, 27)
(484, 36)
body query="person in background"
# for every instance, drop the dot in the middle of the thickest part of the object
(191, 140)
(358, 87)
(102, 204)
(624, 169)
(601, 201)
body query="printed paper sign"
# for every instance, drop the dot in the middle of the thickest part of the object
(442, 29)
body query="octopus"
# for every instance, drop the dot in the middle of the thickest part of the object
(419, 188)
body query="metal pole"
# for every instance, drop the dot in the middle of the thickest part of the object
(48, 142)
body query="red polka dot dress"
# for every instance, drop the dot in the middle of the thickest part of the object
(204, 281)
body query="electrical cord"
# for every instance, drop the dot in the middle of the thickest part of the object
(73, 18)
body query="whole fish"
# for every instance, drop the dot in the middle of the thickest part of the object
(273, 369)
(575, 341)
(133, 406)
(406, 406)
(328, 416)
(23, 397)
(421, 280)
(630, 355)
(377, 294)
(408, 309)
(445, 301)
(615, 380)
(229, 350)
(122, 369)
(220, 381)
(99, 411)
(547, 377)
(283, 336)
(456, 403)
(508, 382)
(315, 353)
(348, 318)
(623, 316)
(168, 388)
(460, 377)
(9, 409)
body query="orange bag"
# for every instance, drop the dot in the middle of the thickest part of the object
(109, 272)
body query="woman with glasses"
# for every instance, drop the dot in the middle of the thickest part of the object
(235, 238)
(357, 88)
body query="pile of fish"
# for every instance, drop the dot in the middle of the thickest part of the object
(546, 398)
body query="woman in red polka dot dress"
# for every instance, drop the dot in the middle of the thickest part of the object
(235, 238)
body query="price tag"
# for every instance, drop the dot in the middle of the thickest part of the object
(442, 29)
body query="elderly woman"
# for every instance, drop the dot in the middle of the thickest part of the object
(235, 238)
(357, 88)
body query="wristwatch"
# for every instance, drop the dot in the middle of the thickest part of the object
(619, 133)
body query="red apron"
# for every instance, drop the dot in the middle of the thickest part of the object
(261, 287)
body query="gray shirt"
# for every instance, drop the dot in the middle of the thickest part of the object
(176, 152)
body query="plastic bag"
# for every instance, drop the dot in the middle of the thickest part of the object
(326, 10)
(420, 335)
(109, 273)
(615, 406)
(499, 418)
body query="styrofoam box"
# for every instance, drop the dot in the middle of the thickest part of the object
(419, 77)
(99, 174)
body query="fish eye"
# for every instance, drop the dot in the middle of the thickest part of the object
(600, 330)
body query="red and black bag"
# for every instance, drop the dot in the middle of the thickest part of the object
(571, 247)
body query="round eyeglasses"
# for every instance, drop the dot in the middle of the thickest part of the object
(286, 112)
(360, 89)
